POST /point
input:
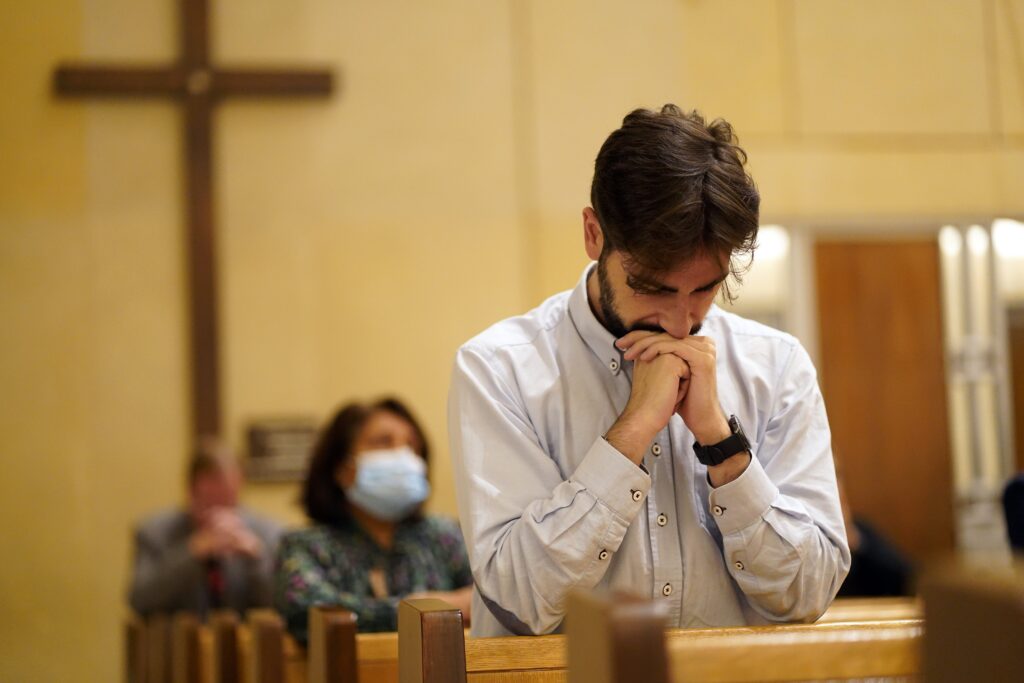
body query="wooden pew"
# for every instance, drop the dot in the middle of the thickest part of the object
(872, 609)
(377, 657)
(224, 654)
(256, 650)
(975, 625)
(334, 645)
(150, 644)
(134, 649)
(376, 654)
(205, 653)
(803, 652)
(431, 642)
(620, 638)
(223, 663)
(262, 647)
(180, 649)
(158, 649)
(186, 658)
(601, 648)
(889, 646)
(431, 639)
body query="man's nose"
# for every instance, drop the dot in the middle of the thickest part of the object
(677, 322)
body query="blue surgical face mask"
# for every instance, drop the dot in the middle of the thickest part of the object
(389, 484)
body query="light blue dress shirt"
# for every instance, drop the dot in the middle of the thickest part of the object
(548, 506)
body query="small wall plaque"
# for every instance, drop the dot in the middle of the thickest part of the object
(280, 448)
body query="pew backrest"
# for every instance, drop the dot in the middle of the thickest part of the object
(264, 647)
(604, 650)
(332, 646)
(134, 649)
(186, 655)
(872, 609)
(158, 649)
(624, 639)
(433, 649)
(377, 655)
(225, 656)
(803, 652)
(536, 659)
(431, 642)
(975, 625)
(616, 638)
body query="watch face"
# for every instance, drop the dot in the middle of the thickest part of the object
(737, 428)
(734, 425)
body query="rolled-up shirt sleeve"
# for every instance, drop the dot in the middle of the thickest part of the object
(782, 528)
(532, 532)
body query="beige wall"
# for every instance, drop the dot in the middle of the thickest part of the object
(363, 239)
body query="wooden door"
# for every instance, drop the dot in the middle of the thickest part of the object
(883, 377)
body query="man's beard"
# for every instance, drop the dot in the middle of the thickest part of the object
(613, 322)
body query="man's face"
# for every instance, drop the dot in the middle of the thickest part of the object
(675, 302)
(216, 489)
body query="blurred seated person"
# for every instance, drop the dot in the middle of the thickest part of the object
(1013, 506)
(877, 567)
(371, 546)
(212, 555)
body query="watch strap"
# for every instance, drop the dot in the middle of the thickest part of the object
(716, 454)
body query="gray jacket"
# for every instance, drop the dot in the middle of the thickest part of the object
(167, 578)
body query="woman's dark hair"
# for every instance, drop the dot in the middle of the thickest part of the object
(668, 187)
(322, 497)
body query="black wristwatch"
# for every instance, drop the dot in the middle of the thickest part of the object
(718, 453)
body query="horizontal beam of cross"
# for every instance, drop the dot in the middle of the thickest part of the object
(92, 80)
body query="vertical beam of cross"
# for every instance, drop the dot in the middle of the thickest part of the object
(198, 85)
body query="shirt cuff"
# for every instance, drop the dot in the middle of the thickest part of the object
(613, 479)
(744, 500)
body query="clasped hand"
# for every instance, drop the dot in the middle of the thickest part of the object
(673, 375)
(221, 533)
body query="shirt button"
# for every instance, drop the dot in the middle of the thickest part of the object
(656, 449)
(718, 510)
(666, 590)
(662, 520)
(603, 555)
(637, 495)
(613, 365)
(738, 565)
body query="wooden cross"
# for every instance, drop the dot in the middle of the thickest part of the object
(198, 85)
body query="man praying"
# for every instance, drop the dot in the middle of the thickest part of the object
(212, 554)
(629, 433)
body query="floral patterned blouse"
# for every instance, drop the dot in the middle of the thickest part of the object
(342, 565)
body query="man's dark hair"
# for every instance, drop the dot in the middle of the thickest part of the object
(668, 187)
(322, 497)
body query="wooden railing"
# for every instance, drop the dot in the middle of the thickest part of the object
(258, 650)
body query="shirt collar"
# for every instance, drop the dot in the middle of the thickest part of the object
(599, 340)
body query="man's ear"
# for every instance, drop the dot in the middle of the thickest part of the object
(593, 236)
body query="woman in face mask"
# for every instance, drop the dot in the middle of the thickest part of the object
(371, 546)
